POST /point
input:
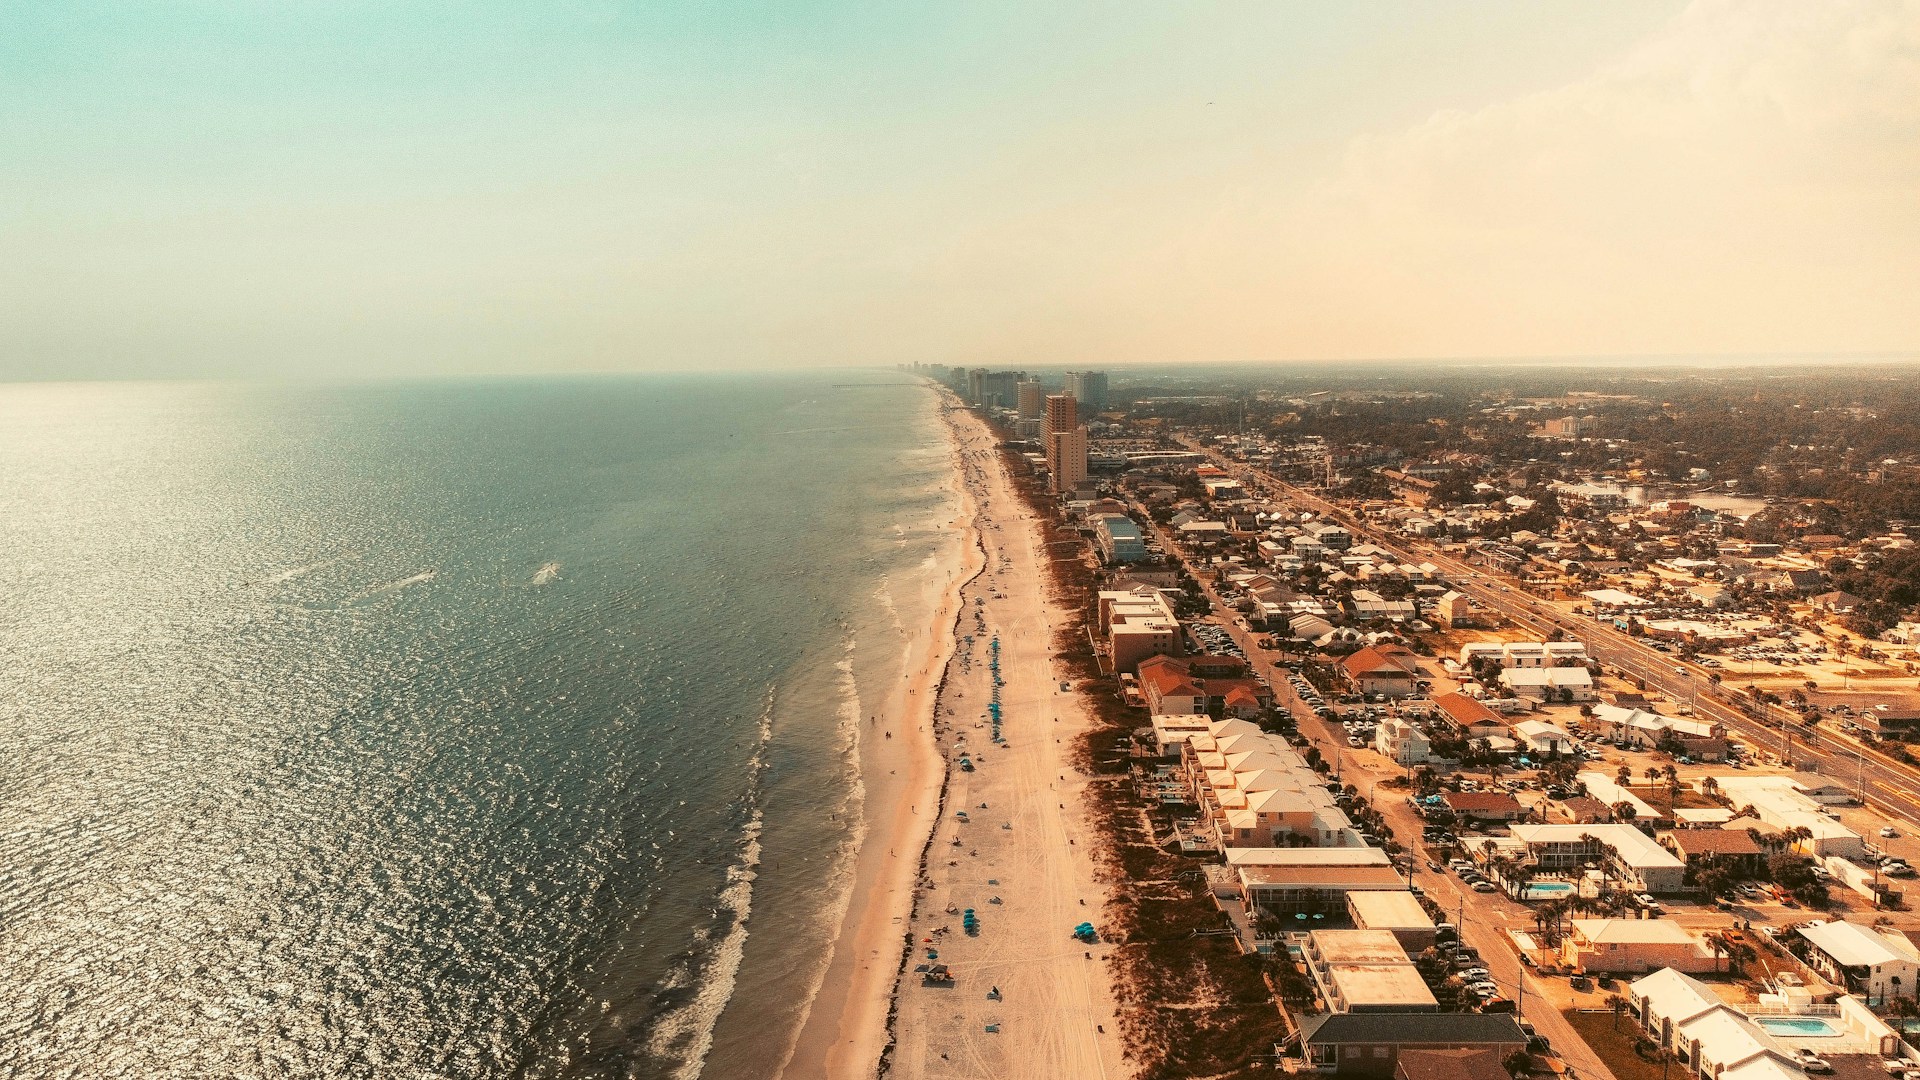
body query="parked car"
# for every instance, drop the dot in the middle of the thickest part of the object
(1889, 831)
(1485, 886)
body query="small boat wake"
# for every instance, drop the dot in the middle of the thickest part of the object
(420, 578)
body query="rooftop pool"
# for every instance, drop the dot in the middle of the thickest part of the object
(1798, 1026)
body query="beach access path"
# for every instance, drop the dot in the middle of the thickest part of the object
(1021, 858)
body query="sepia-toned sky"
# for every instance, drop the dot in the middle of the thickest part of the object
(361, 188)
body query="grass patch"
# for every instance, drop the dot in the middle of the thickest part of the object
(1615, 1047)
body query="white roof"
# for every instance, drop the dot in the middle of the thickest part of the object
(1634, 847)
(1852, 945)
(1547, 676)
(1675, 996)
(1313, 856)
(1614, 598)
(1389, 910)
(1635, 931)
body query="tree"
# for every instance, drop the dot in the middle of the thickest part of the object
(1624, 777)
(1624, 813)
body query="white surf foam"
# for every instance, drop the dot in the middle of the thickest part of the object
(687, 1033)
(852, 808)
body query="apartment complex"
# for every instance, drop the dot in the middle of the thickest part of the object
(1030, 398)
(1066, 444)
(1089, 387)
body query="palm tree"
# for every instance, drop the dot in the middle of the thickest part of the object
(1718, 944)
(1710, 787)
(1517, 876)
(1624, 777)
(1624, 813)
(1673, 787)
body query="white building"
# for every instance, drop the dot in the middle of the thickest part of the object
(1881, 964)
(1524, 654)
(1624, 853)
(1400, 740)
(1604, 787)
(1568, 684)
(1787, 803)
(1540, 737)
(1706, 1035)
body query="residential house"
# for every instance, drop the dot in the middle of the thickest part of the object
(1474, 719)
(1484, 807)
(1400, 740)
(1543, 738)
(1634, 946)
(1623, 853)
(1554, 684)
(1369, 1044)
(1453, 610)
(1707, 1037)
(1387, 670)
(1733, 848)
(1880, 963)
(1451, 1065)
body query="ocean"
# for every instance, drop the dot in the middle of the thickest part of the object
(442, 729)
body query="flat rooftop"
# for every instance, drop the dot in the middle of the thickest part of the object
(1381, 986)
(1388, 911)
(1358, 947)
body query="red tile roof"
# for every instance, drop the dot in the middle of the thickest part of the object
(1465, 711)
(1390, 661)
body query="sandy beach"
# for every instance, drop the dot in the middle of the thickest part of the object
(1021, 858)
(901, 768)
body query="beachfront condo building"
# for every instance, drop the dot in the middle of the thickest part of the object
(1089, 388)
(994, 389)
(1066, 444)
(1031, 399)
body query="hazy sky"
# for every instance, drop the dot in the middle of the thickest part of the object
(352, 188)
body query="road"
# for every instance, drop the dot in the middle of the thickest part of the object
(1886, 784)
(1483, 919)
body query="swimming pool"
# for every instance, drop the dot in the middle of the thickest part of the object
(1549, 890)
(1798, 1026)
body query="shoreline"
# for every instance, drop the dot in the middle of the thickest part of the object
(845, 1031)
(1027, 1000)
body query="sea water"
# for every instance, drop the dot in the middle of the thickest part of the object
(465, 729)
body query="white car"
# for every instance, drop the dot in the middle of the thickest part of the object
(1485, 886)
(1487, 990)
(1889, 831)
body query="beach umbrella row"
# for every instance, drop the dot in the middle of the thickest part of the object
(993, 707)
